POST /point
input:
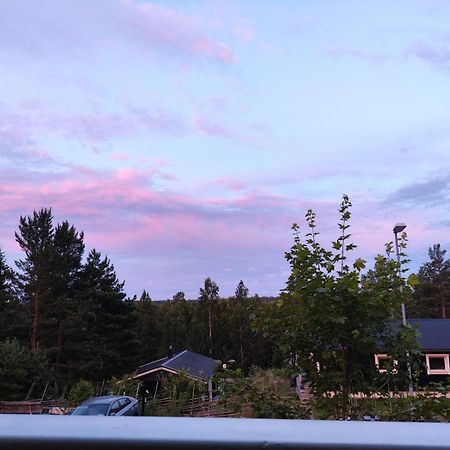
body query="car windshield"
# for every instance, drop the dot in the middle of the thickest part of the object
(96, 409)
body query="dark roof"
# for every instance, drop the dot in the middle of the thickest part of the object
(191, 363)
(434, 334)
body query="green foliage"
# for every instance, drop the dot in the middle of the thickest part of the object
(20, 368)
(125, 385)
(182, 388)
(428, 405)
(241, 290)
(265, 392)
(432, 286)
(177, 392)
(81, 391)
(332, 318)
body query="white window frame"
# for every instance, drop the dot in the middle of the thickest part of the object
(445, 371)
(381, 356)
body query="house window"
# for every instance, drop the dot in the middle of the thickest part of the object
(385, 363)
(438, 364)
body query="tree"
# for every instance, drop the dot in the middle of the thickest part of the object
(432, 294)
(20, 369)
(106, 344)
(48, 277)
(35, 238)
(208, 294)
(6, 280)
(241, 290)
(147, 328)
(179, 297)
(12, 313)
(328, 320)
(242, 317)
(61, 307)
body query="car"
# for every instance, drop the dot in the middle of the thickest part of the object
(108, 405)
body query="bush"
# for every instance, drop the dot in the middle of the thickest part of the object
(81, 391)
(20, 368)
(123, 386)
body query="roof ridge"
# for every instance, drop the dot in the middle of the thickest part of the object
(175, 356)
(151, 362)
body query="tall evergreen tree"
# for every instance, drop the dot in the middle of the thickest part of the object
(6, 279)
(108, 324)
(61, 307)
(242, 318)
(12, 313)
(35, 238)
(432, 295)
(147, 328)
(208, 294)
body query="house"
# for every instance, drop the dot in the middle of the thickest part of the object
(192, 364)
(434, 340)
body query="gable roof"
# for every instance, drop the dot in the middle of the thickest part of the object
(433, 334)
(191, 363)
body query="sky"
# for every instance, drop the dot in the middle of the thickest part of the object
(185, 137)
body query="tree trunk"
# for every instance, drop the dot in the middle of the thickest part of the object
(345, 383)
(210, 325)
(441, 298)
(242, 347)
(59, 345)
(35, 324)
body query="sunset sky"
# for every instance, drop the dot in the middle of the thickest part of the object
(185, 137)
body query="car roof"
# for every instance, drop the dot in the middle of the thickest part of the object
(104, 399)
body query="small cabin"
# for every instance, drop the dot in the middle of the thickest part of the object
(192, 364)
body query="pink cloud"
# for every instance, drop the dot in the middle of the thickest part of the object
(107, 25)
(210, 128)
(118, 156)
(126, 217)
(245, 34)
(228, 183)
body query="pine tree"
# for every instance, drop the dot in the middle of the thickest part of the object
(208, 294)
(35, 238)
(242, 318)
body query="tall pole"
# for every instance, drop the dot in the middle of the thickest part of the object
(397, 229)
(400, 275)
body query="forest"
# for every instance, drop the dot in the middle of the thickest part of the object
(64, 314)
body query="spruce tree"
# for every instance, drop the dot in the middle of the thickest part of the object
(12, 313)
(432, 294)
(108, 325)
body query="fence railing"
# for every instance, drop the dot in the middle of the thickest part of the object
(168, 433)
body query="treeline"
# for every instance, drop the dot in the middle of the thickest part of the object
(64, 311)
(70, 306)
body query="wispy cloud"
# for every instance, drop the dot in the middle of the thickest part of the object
(147, 28)
(427, 193)
(437, 54)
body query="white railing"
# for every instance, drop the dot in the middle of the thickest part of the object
(19, 432)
